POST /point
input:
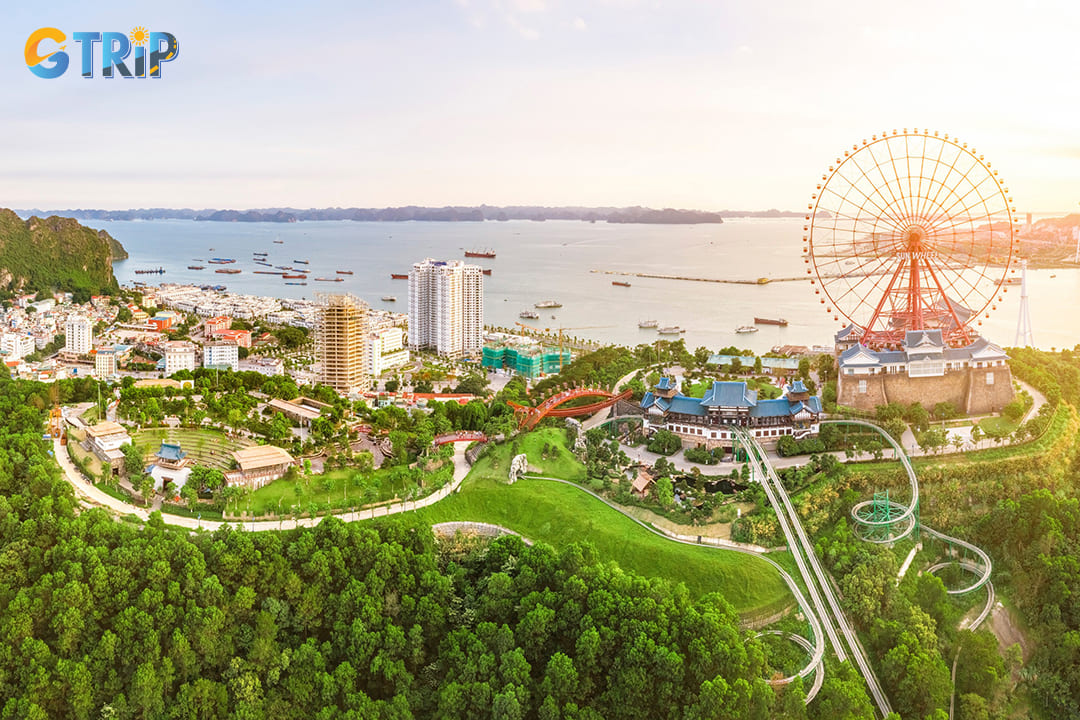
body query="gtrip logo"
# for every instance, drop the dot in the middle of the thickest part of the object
(46, 58)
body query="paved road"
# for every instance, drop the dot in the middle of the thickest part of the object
(95, 497)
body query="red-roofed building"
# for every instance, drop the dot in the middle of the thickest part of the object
(215, 325)
(241, 338)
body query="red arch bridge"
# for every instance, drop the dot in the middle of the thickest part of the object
(529, 417)
(462, 436)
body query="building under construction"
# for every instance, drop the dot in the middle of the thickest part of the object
(341, 338)
(522, 356)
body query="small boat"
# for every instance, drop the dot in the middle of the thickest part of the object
(296, 283)
(261, 253)
(229, 271)
(301, 276)
(671, 330)
(399, 276)
(219, 288)
(329, 279)
(344, 272)
(264, 264)
(221, 261)
(268, 272)
(159, 271)
(279, 242)
(529, 315)
(283, 267)
(770, 321)
(302, 262)
(648, 324)
(620, 283)
(488, 253)
(196, 267)
(548, 304)
(389, 298)
(746, 329)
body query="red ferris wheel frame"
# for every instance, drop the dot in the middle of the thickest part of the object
(910, 231)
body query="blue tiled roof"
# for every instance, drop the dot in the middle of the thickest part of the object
(169, 451)
(687, 405)
(798, 387)
(779, 407)
(648, 400)
(665, 383)
(729, 394)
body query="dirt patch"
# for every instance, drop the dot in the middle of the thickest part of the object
(1007, 630)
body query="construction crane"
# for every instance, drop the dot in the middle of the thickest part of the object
(561, 329)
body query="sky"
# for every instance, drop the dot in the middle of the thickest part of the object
(672, 103)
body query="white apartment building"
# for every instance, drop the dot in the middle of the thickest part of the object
(17, 345)
(221, 354)
(78, 335)
(179, 355)
(446, 307)
(105, 363)
(388, 350)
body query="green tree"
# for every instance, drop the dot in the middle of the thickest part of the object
(133, 460)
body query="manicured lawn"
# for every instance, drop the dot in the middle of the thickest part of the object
(205, 447)
(997, 426)
(560, 462)
(560, 514)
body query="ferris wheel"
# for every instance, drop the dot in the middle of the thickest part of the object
(910, 231)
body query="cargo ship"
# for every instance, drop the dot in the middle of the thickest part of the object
(488, 253)
(770, 321)
(302, 262)
(196, 267)
(221, 261)
(264, 264)
(300, 276)
(261, 253)
(399, 276)
(389, 298)
(229, 271)
(529, 315)
(344, 272)
(487, 271)
(620, 283)
(548, 304)
(268, 272)
(329, 279)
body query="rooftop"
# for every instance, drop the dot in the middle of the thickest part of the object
(170, 451)
(103, 429)
(258, 457)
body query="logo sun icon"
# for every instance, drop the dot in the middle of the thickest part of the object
(139, 35)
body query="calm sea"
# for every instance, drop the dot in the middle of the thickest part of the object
(553, 260)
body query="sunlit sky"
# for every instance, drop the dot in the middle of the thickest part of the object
(672, 103)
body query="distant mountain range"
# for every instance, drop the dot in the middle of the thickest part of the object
(637, 214)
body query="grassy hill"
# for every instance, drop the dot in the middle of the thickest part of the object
(56, 253)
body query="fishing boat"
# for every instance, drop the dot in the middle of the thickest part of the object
(329, 279)
(488, 253)
(648, 324)
(620, 283)
(770, 321)
(548, 304)
(529, 315)
(399, 276)
(229, 271)
(196, 267)
(159, 271)
(344, 272)
(671, 330)
(300, 276)
(389, 298)
(746, 329)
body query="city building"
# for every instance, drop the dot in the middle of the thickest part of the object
(78, 335)
(341, 339)
(975, 378)
(258, 465)
(388, 350)
(165, 320)
(707, 420)
(16, 346)
(236, 337)
(179, 355)
(446, 307)
(217, 323)
(521, 355)
(221, 356)
(265, 365)
(105, 362)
